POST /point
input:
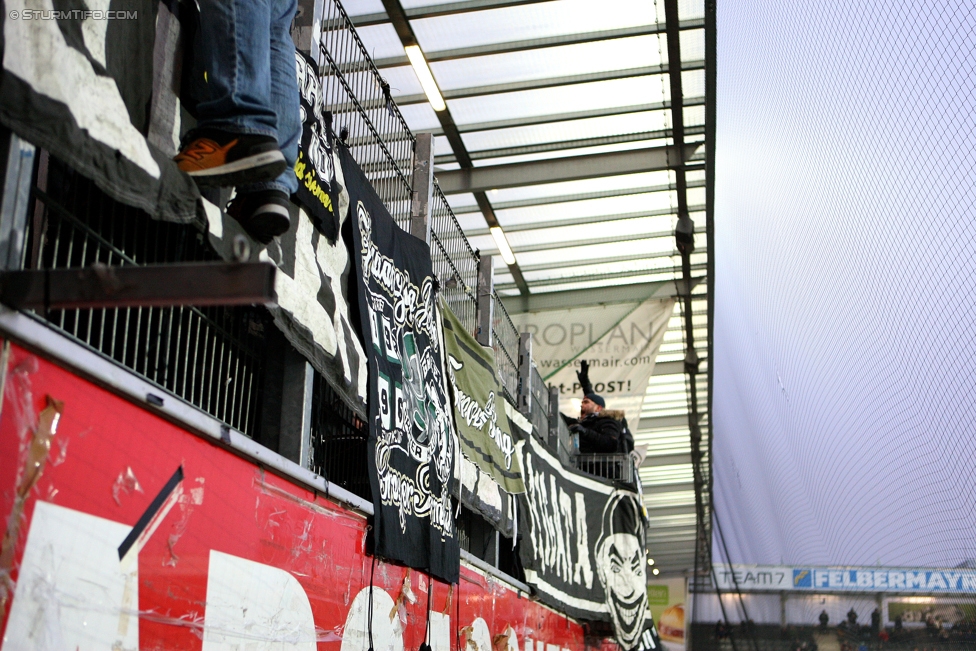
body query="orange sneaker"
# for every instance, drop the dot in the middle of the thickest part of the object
(222, 159)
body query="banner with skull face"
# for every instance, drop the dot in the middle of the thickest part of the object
(411, 446)
(583, 547)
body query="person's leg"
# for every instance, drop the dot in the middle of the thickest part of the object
(262, 208)
(236, 139)
(284, 96)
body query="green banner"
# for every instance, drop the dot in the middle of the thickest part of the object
(478, 406)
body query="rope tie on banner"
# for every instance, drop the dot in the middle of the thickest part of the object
(369, 613)
(514, 520)
(425, 646)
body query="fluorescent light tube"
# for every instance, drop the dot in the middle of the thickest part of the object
(502, 242)
(420, 66)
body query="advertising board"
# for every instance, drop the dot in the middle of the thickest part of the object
(667, 599)
(775, 578)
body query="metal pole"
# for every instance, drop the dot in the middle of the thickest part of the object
(423, 186)
(525, 375)
(486, 300)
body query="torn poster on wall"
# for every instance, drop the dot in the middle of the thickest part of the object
(583, 547)
(412, 450)
(80, 89)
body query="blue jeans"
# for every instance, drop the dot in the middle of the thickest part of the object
(245, 48)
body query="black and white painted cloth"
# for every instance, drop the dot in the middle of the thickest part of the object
(583, 546)
(80, 84)
(412, 450)
(314, 168)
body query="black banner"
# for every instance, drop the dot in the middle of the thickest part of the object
(316, 176)
(411, 446)
(582, 547)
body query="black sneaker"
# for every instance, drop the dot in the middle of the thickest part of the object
(220, 158)
(263, 214)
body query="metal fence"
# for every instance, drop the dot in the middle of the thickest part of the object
(619, 467)
(210, 357)
(338, 441)
(505, 341)
(370, 123)
(363, 114)
(455, 263)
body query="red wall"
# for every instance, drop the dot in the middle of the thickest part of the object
(228, 505)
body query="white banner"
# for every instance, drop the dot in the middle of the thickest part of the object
(924, 580)
(620, 342)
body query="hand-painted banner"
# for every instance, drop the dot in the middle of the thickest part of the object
(82, 89)
(582, 547)
(314, 166)
(620, 342)
(478, 411)
(313, 308)
(411, 442)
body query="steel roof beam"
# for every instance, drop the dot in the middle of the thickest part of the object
(608, 111)
(570, 168)
(563, 264)
(652, 423)
(585, 297)
(407, 37)
(652, 461)
(547, 82)
(670, 488)
(635, 273)
(446, 9)
(549, 246)
(564, 145)
(667, 549)
(582, 196)
(576, 221)
(537, 43)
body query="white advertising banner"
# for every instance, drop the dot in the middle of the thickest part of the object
(620, 342)
(668, 601)
(924, 580)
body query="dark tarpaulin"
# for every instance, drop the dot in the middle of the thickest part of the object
(411, 445)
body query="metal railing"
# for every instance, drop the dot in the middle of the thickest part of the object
(210, 357)
(338, 441)
(619, 467)
(540, 404)
(455, 262)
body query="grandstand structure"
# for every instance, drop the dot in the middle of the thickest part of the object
(583, 137)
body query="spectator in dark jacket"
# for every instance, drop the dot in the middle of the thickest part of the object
(598, 433)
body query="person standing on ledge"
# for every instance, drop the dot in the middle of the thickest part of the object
(598, 433)
(249, 122)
